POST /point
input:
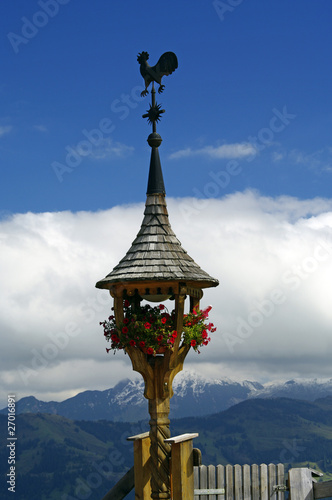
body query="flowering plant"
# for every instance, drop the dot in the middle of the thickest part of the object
(152, 329)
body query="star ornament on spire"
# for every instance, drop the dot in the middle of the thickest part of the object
(154, 113)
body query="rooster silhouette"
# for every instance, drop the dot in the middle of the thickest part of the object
(165, 66)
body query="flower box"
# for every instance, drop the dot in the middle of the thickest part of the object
(151, 329)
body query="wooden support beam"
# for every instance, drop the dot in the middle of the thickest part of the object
(323, 489)
(142, 465)
(182, 466)
(122, 487)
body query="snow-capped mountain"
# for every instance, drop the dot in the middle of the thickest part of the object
(194, 395)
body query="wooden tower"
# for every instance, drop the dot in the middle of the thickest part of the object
(155, 268)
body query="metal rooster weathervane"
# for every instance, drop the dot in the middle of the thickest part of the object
(166, 64)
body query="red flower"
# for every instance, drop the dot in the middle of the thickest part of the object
(132, 342)
(163, 320)
(147, 326)
(107, 350)
(149, 350)
(171, 340)
(160, 338)
(174, 334)
(142, 343)
(124, 329)
(161, 307)
(115, 338)
(193, 343)
(194, 311)
(126, 303)
(126, 321)
(204, 334)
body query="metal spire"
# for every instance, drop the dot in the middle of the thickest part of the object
(156, 181)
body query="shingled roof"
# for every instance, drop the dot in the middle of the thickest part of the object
(156, 254)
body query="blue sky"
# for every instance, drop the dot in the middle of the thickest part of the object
(247, 163)
(236, 65)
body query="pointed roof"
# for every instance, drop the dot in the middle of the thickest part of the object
(156, 254)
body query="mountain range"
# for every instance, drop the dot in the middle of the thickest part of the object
(194, 395)
(62, 459)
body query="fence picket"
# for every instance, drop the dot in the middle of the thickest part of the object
(246, 482)
(264, 494)
(203, 484)
(220, 473)
(238, 482)
(212, 480)
(196, 481)
(272, 481)
(280, 480)
(255, 482)
(229, 483)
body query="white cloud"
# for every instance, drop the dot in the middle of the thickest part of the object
(320, 160)
(273, 257)
(40, 128)
(5, 130)
(105, 149)
(226, 151)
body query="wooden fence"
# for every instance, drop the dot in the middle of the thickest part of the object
(239, 482)
(223, 482)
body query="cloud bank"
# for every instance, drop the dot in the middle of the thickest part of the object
(226, 151)
(272, 309)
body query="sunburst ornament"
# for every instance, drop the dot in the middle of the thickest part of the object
(154, 113)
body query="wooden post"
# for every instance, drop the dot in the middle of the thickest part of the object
(182, 466)
(300, 484)
(159, 449)
(142, 466)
